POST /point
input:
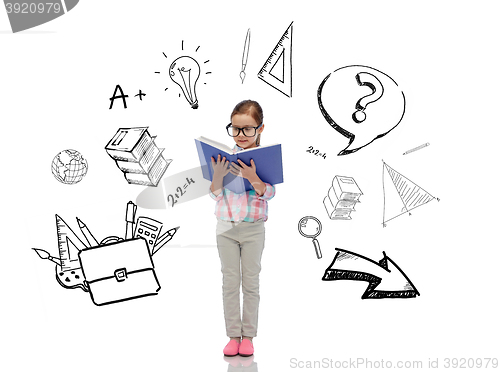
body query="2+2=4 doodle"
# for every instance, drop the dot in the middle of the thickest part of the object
(316, 152)
(180, 191)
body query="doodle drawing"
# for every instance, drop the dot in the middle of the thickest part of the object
(244, 59)
(69, 167)
(277, 70)
(119, 271)
(416, 148)
(342, 196)
(114, 269)
(401, 195)
(149, 230)
(310, 227)
(68, 268)
(361, 103)
(185, 72)
(137, 156)
(385, 278)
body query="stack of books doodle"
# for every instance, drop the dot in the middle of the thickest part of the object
(136, 154)
(342, 197)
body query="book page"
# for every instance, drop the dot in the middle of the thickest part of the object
(216, 144)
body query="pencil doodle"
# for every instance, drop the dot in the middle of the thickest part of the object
(404, 197)
(342, 197)
(244, 59)
(385, 278)
(130, 220)
(28, 14)
(361, 124)
(310, 227)
(185, 72)
(416, 148)
(277, 70)
(114, 269)
(69, 167)
(137, 156)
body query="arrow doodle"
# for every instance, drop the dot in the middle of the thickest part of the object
(385, 278)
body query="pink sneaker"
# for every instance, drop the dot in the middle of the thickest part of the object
(231, 348)
(246, 348)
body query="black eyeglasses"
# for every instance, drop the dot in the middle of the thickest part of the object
(247, 131)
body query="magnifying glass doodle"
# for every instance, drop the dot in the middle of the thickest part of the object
(310, 227)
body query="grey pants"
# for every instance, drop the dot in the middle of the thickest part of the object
(240, 244)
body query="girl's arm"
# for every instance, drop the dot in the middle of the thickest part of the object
(257, 184)
(216, 186)
(269, 192)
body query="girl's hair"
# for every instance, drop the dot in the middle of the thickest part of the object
(252, 108)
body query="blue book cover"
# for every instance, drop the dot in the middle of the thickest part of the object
(268, 161)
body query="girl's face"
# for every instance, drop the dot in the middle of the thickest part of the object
(243, 121)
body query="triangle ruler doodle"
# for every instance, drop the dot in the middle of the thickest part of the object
(69, 244)
(277, 70)
(401, 195)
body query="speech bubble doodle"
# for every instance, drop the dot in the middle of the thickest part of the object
(361, 103)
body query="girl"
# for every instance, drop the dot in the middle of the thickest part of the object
(240, 230)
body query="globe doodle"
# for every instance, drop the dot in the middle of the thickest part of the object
(69, 167)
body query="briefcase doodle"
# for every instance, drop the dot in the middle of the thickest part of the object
(119, 271)
(112, 269)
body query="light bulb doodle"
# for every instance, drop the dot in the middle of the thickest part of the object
(185, 71)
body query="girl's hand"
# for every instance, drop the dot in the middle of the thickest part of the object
(243, 170)
(250, 173)
(221, 167)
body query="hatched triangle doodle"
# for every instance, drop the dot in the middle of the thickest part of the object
(277, 70)
(401, 195)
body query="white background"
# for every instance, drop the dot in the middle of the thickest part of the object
(55, 84)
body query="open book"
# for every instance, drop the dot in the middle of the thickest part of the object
(268, 162)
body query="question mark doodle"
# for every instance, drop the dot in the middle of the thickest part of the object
(337, 92)
(371, 81)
